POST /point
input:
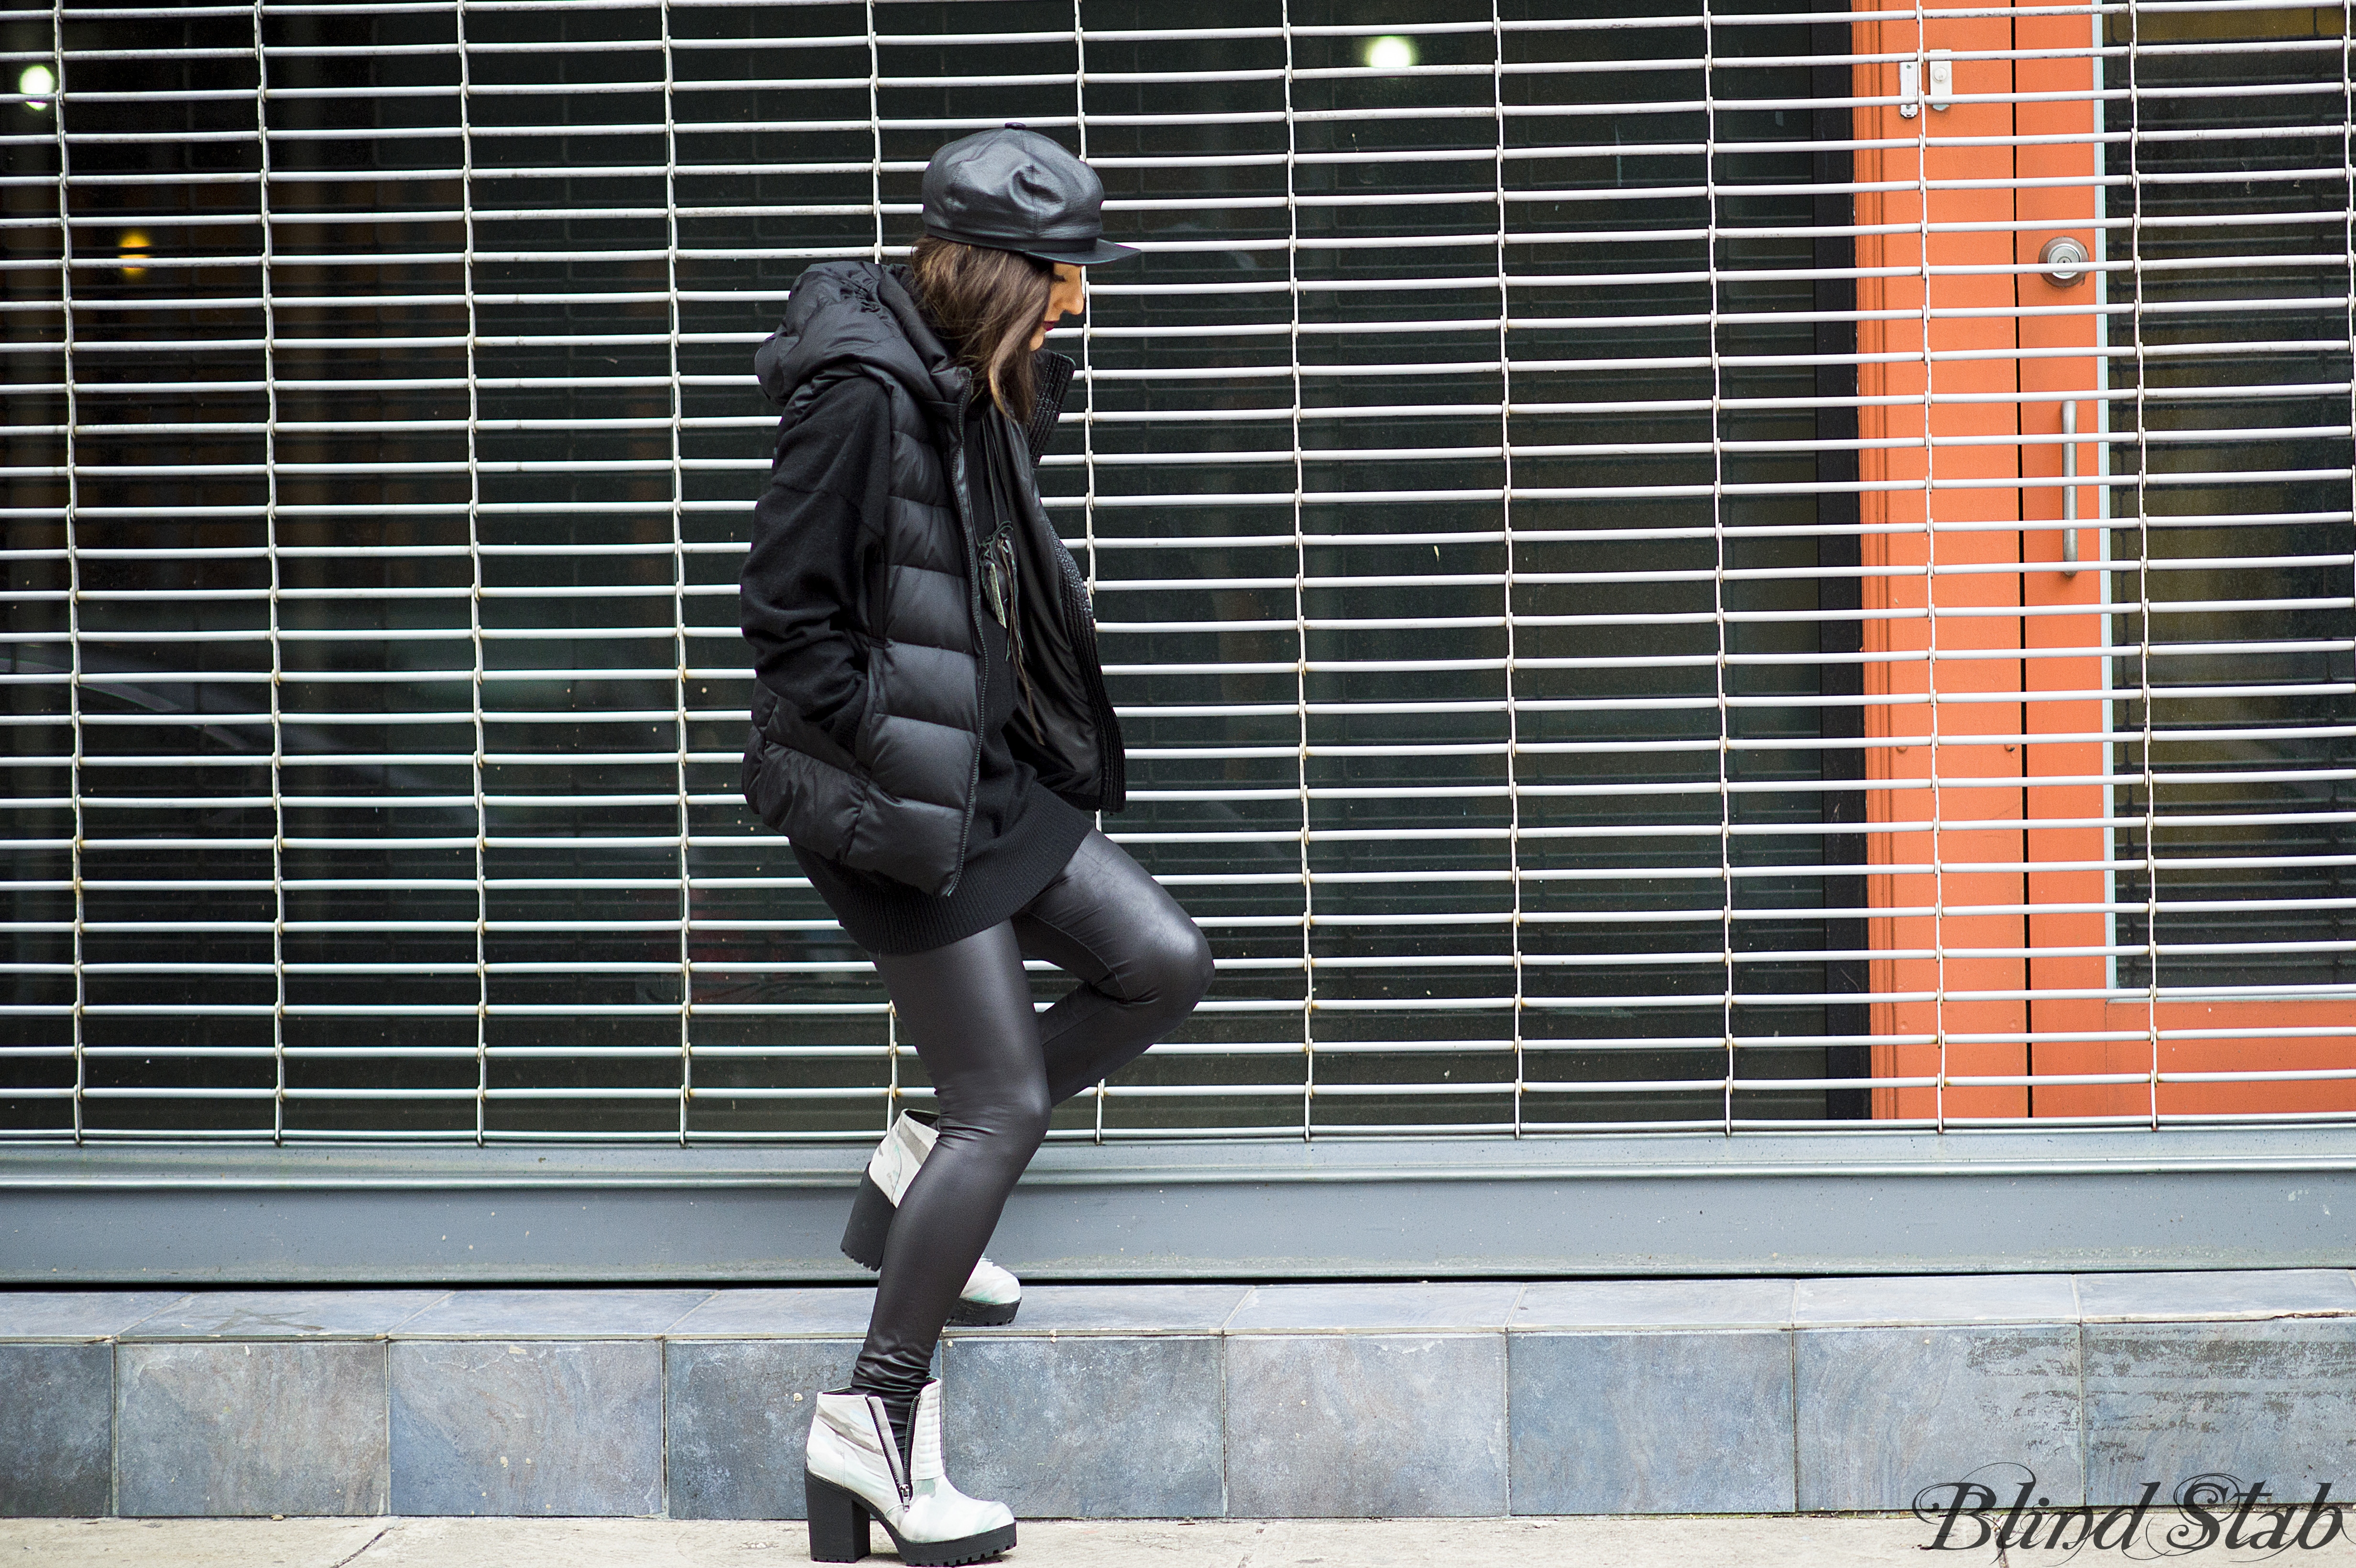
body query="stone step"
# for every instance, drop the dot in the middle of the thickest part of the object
(1194, 1401)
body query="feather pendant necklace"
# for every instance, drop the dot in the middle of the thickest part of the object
(1000, 588)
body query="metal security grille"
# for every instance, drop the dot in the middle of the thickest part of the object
(1643, 593)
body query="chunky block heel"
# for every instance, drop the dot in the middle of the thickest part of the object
(837, 1521)
(871, 1222)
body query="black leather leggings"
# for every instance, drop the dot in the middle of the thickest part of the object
(998, 1068)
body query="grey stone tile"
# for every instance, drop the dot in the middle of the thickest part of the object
(1648, 1303)
(1095, 1426)
(1884, 1412)
(555, 1314)
(486, 1427)
(1121, 1309)
(1383, 1426)
(2270, 1401)
(1651, 1422)
(79, 1314)
(285, 1313)
(2215, 1294)
(1329, 1308)
(824, 1312)
(269, 1427)
(56, 1431)
(1935, 1298)
(739, 1412)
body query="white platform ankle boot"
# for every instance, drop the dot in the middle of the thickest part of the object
(852, 1472)
(990, 1297)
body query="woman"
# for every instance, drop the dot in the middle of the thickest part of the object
(930, 728)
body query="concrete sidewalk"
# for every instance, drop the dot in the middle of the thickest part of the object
(1854, 1540)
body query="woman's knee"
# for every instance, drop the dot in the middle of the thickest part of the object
(1027, 1110)
(1180, 967)
(1008, 1111)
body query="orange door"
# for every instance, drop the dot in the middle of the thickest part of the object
(1987, 720)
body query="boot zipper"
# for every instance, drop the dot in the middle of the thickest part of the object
(891, 1451)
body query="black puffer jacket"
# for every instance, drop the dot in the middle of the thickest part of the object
(899, 802)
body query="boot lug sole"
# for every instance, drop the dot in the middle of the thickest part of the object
(949, 1554)
(984, 1315)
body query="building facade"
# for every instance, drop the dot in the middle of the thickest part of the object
(1691, 585)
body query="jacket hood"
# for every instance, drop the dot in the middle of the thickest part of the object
(848, 317)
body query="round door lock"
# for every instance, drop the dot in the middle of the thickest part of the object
(2064, 260)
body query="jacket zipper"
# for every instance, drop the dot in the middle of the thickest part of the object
(962, 499)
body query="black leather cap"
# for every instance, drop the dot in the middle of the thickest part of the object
(1017, 190)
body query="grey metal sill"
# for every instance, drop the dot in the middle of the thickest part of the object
(1661, 1203)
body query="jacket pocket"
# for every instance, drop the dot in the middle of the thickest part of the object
(871, 709)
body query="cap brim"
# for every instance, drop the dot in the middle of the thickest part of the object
(1079, 253)
(1095, 255)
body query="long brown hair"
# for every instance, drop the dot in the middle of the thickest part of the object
(987, 303)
